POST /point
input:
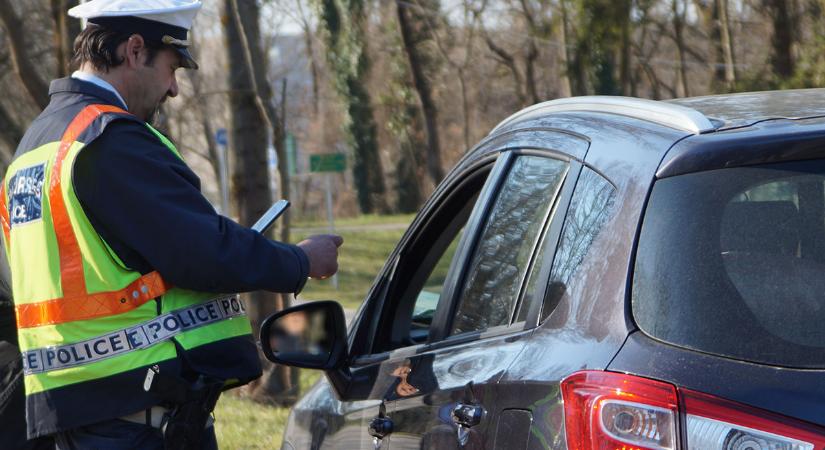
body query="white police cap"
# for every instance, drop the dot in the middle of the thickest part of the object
(160, 21)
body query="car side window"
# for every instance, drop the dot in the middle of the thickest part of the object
(430, 295)
(506, 246)
(423, 267)
(591, 206)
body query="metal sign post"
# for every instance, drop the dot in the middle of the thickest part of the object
(329, 163)
(331, 221)
(223, 169)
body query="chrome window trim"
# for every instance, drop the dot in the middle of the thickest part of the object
(667, 114)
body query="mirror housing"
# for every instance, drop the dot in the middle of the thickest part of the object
(311, 335)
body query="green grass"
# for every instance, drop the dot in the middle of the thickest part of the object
(241, 423)
(359, 260)
(244, 424)
(367, 219)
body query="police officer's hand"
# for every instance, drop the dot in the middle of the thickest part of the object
(322, 252)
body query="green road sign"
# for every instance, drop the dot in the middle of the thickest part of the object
(327, 162)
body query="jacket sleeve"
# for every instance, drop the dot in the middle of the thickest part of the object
(147, 205)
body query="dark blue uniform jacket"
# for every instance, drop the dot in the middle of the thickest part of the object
(147, 205)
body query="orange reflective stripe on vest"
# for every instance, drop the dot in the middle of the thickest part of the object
(4, 213)
(90, 306)
(72, 282)
(76, 303)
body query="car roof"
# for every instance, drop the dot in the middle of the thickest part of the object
(696, 115)
(704, 133)
(739, 110)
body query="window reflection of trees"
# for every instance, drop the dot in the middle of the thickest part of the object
(508, 240)
(591, 206)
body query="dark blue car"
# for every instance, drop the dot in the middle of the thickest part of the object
(598, 273)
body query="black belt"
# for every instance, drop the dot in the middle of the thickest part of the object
(191, 407)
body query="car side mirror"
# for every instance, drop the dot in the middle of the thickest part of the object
(312, 335)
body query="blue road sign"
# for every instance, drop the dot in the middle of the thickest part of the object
(221, 137)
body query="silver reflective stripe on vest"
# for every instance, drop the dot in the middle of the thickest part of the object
(137, 337)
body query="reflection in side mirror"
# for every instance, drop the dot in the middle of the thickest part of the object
(312, 335)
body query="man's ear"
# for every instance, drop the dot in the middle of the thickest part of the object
(134, 50)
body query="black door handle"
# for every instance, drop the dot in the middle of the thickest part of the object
(467, 415)
(380, 427)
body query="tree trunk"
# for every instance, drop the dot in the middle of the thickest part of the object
(510, 62)
(532, 52)
(11, 135)
(202, 113)
(624, 51)
(345, 22)
(248, 139)
(560, 26)
(678, 11)
(782, 40)
(423, 89)
(576, 78)
(65, 30)
(309, 42)
(727, 45)
(21, 58)
(530, 72)
(597, 66)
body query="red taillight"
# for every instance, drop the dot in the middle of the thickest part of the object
(605, 410)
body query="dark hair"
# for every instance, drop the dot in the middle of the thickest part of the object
(98, 46)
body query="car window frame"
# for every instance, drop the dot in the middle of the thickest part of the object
(375, 307)
(503, 149)
(552, 227)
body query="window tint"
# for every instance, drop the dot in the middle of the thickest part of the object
(506, 245)
(732, 262)
(429, 296)
(414, 293)
(592, 204)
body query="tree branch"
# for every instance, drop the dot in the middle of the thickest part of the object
(21, 60)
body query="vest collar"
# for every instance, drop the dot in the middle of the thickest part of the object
(100, 82)
(76, 86)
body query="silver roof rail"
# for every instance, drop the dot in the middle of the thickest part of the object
(667, 114)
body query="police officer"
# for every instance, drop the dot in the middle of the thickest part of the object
(119, 265)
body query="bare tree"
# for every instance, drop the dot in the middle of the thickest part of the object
(252, 115)
(784, 21)
(602, 46)
(726, 36)
(714, 18)
(414, 31)
(21, 57)
(679, 12)
(65, 29)
(345, 35)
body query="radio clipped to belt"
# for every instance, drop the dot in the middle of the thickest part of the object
(192, 406)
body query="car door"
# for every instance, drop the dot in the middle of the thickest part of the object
(452, 318)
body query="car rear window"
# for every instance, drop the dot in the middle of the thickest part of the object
(732, 262)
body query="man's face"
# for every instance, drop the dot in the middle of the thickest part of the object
(155, 82)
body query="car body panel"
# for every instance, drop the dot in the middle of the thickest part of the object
(443, 379)
(745, 109)
(792, 392)
(588, 328)
(764, 142)
(515, 373)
